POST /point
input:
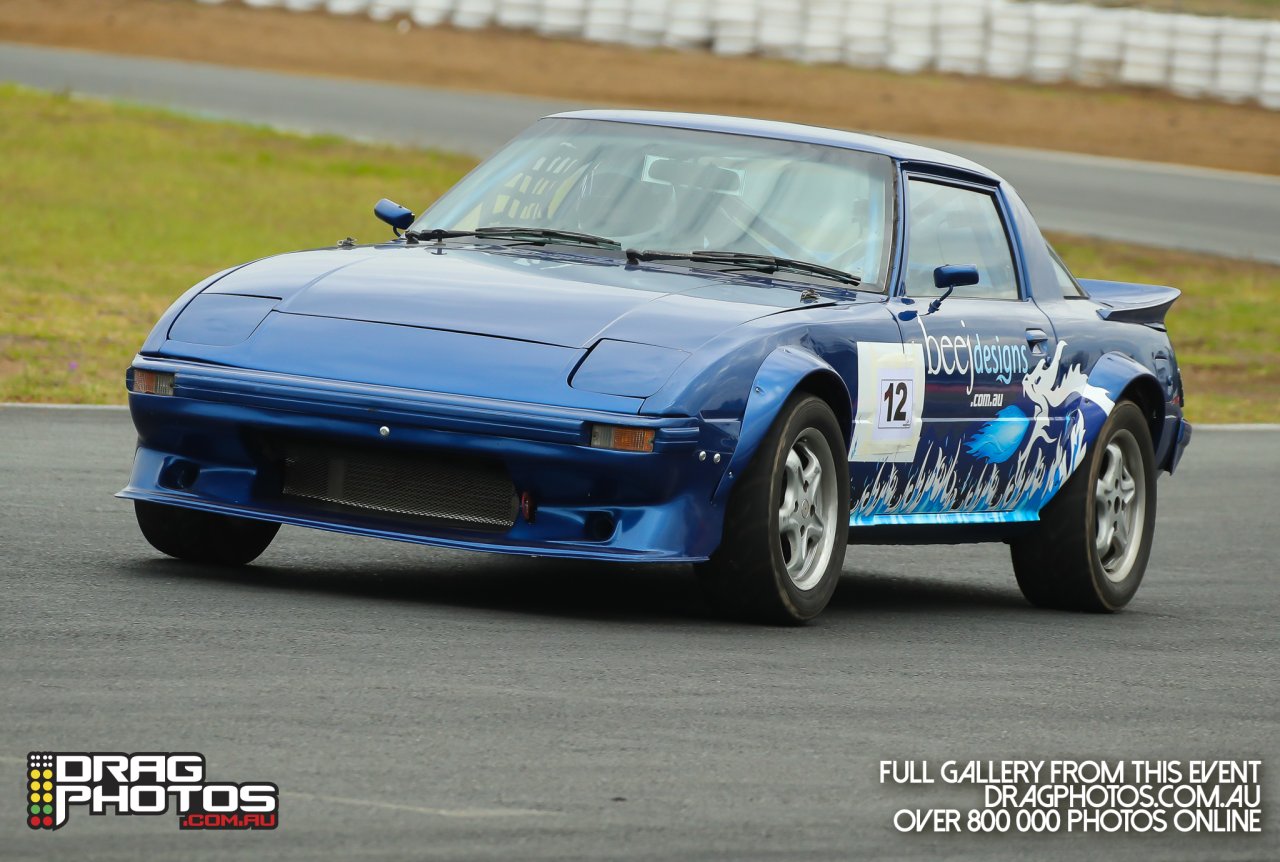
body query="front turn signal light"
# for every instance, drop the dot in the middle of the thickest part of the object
(622, 438)
(151, 382)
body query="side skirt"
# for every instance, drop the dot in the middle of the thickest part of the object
(934, 534)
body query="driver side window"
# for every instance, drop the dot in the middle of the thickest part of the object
(952, 225)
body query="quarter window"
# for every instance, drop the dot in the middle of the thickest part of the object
(952, 225)
(1066, 283)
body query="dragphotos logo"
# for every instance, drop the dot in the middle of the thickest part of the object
(150, 783)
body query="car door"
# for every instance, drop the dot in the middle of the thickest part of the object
(976, 343)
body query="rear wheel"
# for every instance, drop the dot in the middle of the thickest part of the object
(787, 521)
(203, 537)
(1090, 550)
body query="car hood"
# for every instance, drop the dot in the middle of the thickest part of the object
(566, 300)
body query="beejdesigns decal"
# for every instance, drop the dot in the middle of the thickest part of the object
(968, 354)
(143, 784)
(1008, 468)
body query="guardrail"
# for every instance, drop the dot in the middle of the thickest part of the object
(1233, 60)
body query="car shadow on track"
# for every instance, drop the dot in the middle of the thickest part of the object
(574, 589)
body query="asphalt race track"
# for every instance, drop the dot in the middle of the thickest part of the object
(1196, 209)
(422, 704)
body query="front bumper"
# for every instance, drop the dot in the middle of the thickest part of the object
(201, 448)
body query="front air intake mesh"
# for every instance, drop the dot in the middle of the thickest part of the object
(455, 491)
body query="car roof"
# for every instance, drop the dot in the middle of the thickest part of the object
(898, 150)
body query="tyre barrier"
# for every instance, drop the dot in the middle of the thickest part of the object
(1229, 59)
(689, 24)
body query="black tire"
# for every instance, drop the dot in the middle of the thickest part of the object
(748, 575)
(1058, 565)
(203, 537)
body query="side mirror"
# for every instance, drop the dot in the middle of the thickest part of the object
(955, 275)
(950, 276)
(393, 214)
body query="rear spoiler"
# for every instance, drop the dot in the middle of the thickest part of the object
(1132, 303)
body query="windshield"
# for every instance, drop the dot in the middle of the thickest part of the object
(664, 189)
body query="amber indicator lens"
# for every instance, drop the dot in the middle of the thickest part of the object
(152, 382)
(622, 438)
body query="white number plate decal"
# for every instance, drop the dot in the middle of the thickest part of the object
(890, 402)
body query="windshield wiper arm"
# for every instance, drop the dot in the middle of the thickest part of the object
(524, 234)
(759, 262)
(436, 234)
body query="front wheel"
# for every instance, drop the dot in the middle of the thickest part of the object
(203, 537)
(1090, 550)
(787, 522)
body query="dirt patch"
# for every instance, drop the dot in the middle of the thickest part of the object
(1128, 123)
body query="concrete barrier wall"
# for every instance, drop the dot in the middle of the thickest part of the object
(1233, 60)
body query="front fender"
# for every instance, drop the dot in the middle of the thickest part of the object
(781, 373)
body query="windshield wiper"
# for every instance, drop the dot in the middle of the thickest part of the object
(522, 234)
(549, 234)
(747, 260)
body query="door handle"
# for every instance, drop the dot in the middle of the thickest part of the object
(1037, 338)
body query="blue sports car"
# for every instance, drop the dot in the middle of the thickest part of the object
(666, 337)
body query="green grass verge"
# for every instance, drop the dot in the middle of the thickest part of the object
(113, 211)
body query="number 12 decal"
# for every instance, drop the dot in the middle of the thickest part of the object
(895, 403)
